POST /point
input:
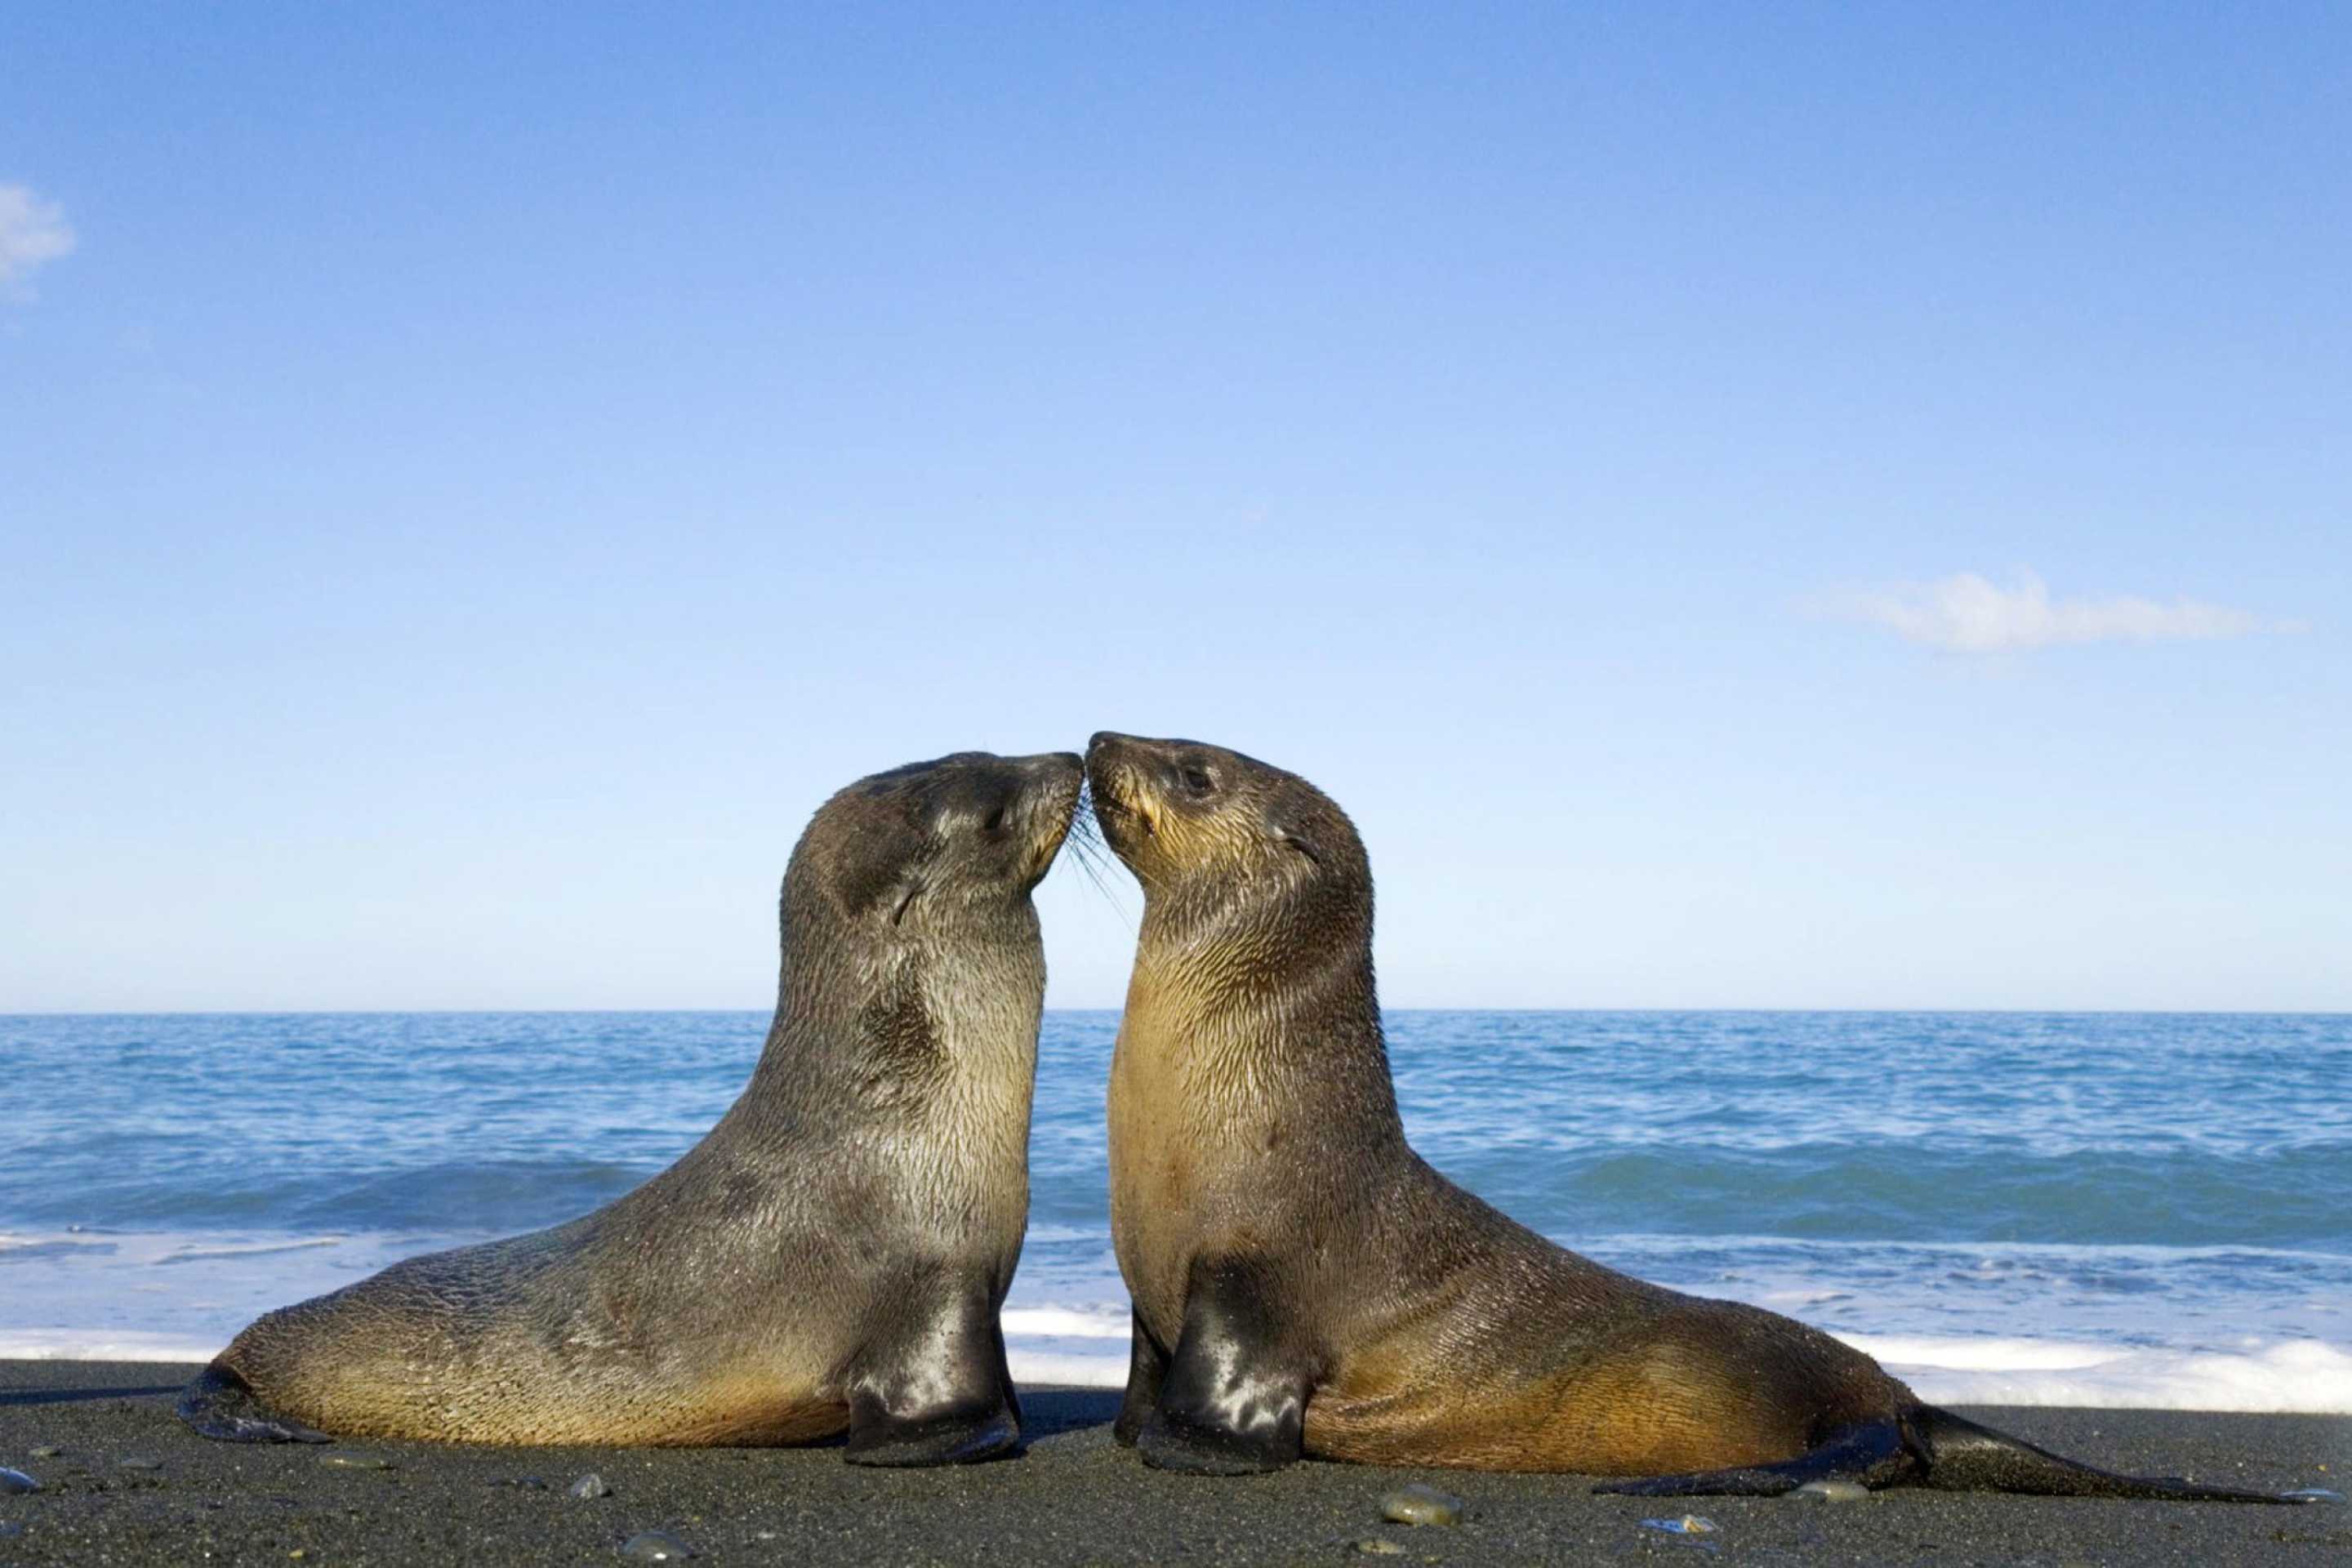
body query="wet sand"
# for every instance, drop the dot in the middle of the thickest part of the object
(128, 1484)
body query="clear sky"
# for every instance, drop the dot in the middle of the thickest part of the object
(1745, 506)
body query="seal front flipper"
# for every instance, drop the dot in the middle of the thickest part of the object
(1872, 1453)
(1147, 1368)
(220, 1406)
(934, 1389)
(1232, 1399)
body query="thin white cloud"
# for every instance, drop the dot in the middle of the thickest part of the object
(32, 232)
(1965, 613)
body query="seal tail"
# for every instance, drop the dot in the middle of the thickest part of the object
(221, 1405)
(1926, 1446)
(1958, 1454)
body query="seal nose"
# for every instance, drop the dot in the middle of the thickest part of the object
(1058, 775)
(1110, 753)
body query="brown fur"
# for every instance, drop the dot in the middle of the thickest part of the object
(1252, 1115)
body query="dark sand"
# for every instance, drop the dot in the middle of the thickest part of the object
(1073, 1498)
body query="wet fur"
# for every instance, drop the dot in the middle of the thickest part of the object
(1304, 1283)
(830, 1257)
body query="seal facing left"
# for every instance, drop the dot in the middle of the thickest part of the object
(831, 1256)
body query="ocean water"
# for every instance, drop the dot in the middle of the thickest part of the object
(2113, 1209)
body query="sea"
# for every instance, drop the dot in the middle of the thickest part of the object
(2125, 1209)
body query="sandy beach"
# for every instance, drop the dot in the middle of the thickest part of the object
(122, 1482)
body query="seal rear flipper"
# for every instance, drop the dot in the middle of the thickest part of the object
(1872, 1453)
(221, 1405)
(1147, 1368)
(935, 1391)
(1961, 1456)
(1232, 1399)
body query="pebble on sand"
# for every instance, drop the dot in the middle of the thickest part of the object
(1419, 1504)
(1688, 1524)
(591, 1485)
(47, 1451)
(655, 1546)
(343, 1459)
(1834, 1491)
(141, 1463)
(13, 1482)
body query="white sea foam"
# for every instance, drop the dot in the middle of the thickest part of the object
(98, 1344)
(2305, 1376)
(1095, 1320)
(1082, 1345)
(1066, 1369)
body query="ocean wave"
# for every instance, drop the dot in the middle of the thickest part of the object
(2309, 1377)
(1990, 1192)
(2164, 1190)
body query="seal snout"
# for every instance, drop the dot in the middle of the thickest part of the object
(1057, 771)
(1118, 785)
(1051, 785)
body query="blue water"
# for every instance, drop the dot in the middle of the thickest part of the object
(2150, 1182)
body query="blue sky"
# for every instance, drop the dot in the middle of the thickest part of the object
(1790, 506)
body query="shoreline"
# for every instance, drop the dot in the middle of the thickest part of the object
(1074, 1497)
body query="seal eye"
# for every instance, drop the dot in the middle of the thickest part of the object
(1198, 781)
(995, 823)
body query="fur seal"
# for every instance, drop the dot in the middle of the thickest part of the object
(833, 1254)
(1305, 1284)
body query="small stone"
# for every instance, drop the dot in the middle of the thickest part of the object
(1379, 1546)
(47, 1451)
(141, 1464)
(1834, 1491)
(1418, 1504)
(1688, 1524)
(655, 1546)
(344, 1459)
(591, 1485)
(16, 1482)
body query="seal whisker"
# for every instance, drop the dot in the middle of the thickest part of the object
(1092, 856)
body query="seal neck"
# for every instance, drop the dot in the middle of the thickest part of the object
(1233, 1006)
(864, 1029)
